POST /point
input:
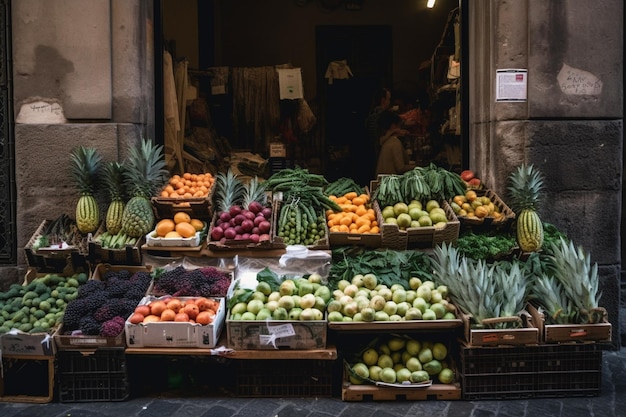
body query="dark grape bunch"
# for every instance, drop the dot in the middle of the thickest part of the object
(200, 282)
(102, 306)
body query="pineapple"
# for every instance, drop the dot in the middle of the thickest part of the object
(145, 174)
(254, 192)
(114, 182)
(525, 186)
(85, 165)
(229, 191)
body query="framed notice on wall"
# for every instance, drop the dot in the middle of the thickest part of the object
(511, 84)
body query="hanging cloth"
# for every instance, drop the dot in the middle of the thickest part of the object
(173, 154)
(338, 70)
(182, 80)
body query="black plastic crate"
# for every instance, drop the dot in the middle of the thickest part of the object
(280, 378)
(542, 371)
(569, 370)
(99, 375)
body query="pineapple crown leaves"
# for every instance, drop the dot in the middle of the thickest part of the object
(145, 171)
(254, 190)
(86, 166)
(113, 177)
(573, 269)
(229, 190)
(525, 187)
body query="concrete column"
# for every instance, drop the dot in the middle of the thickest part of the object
(570, 126)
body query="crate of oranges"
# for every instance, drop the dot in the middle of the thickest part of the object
(356, 224)
(181, 230)
(189, 193)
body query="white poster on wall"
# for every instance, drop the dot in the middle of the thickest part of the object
(290, 83)
(511, 84)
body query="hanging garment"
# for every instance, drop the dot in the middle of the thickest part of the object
(171, 115)
(338, 70)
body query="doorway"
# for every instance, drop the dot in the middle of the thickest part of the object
(367, 52)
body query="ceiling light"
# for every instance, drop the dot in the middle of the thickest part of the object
(430, 4)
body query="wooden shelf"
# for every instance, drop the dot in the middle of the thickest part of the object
(204, 251)
(330, 353)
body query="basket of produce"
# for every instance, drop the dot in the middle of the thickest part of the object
(482, 208)
(206, 281)
(413, 208)
(418, 368)
(386, 290)
(56, 245)
(492, 297)
(243, 216)
(356, 223)
(178, 231)
(299, 207)
(33, 311)
(189, 192)
(176, 322)
(96, 317)
(261, 321)
(565, 302)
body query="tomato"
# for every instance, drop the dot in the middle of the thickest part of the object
(467, 175)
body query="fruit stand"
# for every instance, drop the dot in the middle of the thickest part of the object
(415, 288)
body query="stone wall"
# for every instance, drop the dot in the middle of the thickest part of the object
(44, 185)
(569, 127)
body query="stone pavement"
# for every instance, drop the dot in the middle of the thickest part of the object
(610, 403)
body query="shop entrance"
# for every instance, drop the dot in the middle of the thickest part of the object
(347, 92)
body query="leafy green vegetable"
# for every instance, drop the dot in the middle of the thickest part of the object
(485, 246)
(269, 276)
(389, 266)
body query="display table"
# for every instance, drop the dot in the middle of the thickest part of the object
(204, 251)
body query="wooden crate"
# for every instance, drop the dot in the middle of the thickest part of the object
(49, 259)
(489, 223)
(247, 334)
(526, 334)
(567, 333)
(27, 379)
(418, 237)
(368, 392)
(128, 255)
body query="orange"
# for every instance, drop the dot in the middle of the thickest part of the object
(181, 216)
(185, 229)
(197, 224)
(173, 235)
(164, 226)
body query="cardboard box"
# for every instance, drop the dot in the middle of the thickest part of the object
(186, 242)
(558, 333)
(27, 344)
(246, 334)
(175, 334)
